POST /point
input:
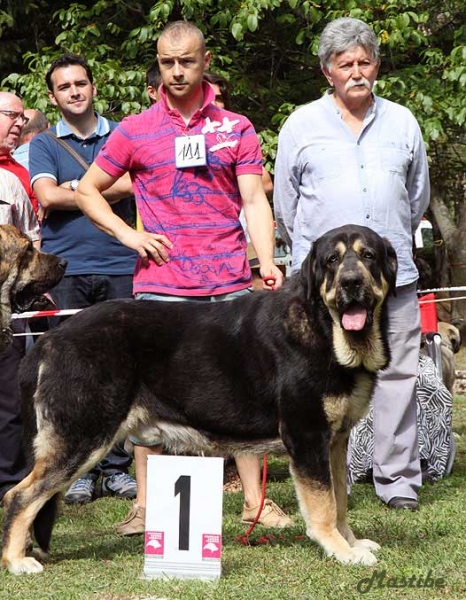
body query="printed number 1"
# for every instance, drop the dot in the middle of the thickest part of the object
(183, 488)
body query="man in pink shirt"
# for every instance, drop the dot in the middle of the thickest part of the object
(193, 167)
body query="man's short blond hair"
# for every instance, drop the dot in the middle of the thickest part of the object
(180, 29)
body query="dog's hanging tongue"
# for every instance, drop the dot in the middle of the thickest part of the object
(354, 318)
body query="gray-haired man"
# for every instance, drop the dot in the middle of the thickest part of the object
(352, 157)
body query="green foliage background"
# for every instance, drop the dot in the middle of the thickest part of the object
(266, 48)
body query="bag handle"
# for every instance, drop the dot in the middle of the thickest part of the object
(77, 157)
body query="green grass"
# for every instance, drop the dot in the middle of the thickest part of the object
(89, 561)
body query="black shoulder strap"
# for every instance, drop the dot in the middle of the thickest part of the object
(77, 157)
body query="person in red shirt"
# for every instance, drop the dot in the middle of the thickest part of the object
(12, 121)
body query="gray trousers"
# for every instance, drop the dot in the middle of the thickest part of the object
(397, 469)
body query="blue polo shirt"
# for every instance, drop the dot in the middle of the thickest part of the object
(69, 233)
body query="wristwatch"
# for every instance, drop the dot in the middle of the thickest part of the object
(74, 185)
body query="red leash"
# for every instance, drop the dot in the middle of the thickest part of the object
(270, 280)
(244, 539)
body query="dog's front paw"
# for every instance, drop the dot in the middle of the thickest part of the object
(24, 566)
(357, 556)
(367, 544)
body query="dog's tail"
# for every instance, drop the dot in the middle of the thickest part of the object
(44, 522)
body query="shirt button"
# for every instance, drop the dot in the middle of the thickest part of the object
(364, 189)
(368, 216)
(362, 166)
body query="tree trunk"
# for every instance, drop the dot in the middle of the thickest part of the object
(454, 237)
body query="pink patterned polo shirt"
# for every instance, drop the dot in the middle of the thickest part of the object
(196, 207)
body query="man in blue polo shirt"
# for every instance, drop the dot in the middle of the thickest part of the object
(99, 266)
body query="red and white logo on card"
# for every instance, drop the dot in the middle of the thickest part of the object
(154, 543)
(211, 546)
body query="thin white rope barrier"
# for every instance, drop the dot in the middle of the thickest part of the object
(441, 300)
(34, 314)
(459, 288)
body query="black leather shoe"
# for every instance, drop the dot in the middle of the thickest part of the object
(403, 503)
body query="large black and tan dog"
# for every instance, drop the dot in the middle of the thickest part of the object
(25, 275)
(290, 370)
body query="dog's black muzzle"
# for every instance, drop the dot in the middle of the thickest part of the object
(31, 297)
(355, 302)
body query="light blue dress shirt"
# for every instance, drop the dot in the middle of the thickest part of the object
(21, 155)
(326, 176)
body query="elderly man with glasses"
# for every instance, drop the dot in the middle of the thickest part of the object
(12, 121)
(15, 209)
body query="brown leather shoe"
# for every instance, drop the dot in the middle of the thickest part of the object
(135, 522)
(271, 515)
(403, 503)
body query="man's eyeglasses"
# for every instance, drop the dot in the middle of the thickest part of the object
(14, 116)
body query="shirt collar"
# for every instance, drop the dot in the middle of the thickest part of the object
(208, 97)
(102, 128)
(7, 158)
(370, 111)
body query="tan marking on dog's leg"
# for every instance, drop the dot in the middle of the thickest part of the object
(338, 450)
(18, 525)
(338, 467)
(319, 510)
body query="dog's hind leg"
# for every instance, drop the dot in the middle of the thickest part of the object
(338, 451)
(34, 500)
(310, 468)
(22, 504)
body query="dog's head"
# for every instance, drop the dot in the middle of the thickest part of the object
(352, 270)
(25, 275)
(451, 336)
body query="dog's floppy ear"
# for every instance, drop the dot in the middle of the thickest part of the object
(456, 344)
(311, 273)
(307, 277)
(454, 336)
(4, 263)
(13, 244)
(390, 265)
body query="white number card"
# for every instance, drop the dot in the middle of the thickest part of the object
(183, 535)
(190, 151)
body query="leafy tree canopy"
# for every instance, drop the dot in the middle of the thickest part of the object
(268, 51)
